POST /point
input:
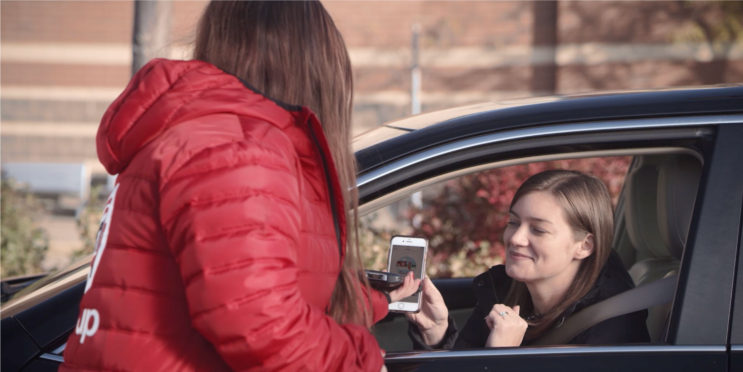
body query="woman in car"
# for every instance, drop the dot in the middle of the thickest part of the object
(223, 243)
(558, 261)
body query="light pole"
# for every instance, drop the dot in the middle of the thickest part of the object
(151, 31)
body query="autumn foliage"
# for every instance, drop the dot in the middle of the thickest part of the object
(464, 218)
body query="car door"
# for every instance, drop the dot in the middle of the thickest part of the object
(736, 330)
(698, 329)
(704, 309)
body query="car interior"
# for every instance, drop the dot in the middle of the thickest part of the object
(652, 219)
(660, 192)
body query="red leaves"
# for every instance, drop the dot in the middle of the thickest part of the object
(464, 218)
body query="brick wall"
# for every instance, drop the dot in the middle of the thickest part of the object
(63, 62)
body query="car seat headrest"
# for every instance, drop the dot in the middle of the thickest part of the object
(641, 210)
(661, 191)
(678, 181)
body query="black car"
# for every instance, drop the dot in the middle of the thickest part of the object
(673, 158)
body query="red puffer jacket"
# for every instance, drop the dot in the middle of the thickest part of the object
(218, 246)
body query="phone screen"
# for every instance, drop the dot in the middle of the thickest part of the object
(406, 258)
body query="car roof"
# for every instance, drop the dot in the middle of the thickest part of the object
(398, 138)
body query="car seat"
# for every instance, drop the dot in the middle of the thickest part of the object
(660, 195)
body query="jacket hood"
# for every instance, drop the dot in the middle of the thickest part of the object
(164, 93)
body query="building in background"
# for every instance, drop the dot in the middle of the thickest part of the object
(63, 62)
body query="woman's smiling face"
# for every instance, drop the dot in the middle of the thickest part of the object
(541, 245)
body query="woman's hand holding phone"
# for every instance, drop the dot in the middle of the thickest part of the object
(433, 319)
(409, 286)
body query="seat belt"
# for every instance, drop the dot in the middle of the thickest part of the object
(636, 299)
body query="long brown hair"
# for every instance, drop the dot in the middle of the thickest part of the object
(292, 52)
(587, 206)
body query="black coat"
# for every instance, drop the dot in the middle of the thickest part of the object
(492, 286)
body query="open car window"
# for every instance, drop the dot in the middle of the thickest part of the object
(464, 216)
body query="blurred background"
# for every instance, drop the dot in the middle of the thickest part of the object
(63, 62)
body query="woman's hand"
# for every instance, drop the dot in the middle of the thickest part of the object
(507, 328)
(409, 286)
(433, 318)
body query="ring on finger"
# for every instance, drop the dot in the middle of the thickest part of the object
(503, 314)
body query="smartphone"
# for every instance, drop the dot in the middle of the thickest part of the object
(406, 254)
(384, 281)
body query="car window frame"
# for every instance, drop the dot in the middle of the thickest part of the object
(713, 227)
(461, 315)
(736, 328)
(696, 134)
(485, 147)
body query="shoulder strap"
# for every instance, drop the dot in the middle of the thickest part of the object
(636, 299)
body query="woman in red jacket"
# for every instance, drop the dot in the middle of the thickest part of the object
(223, 244)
